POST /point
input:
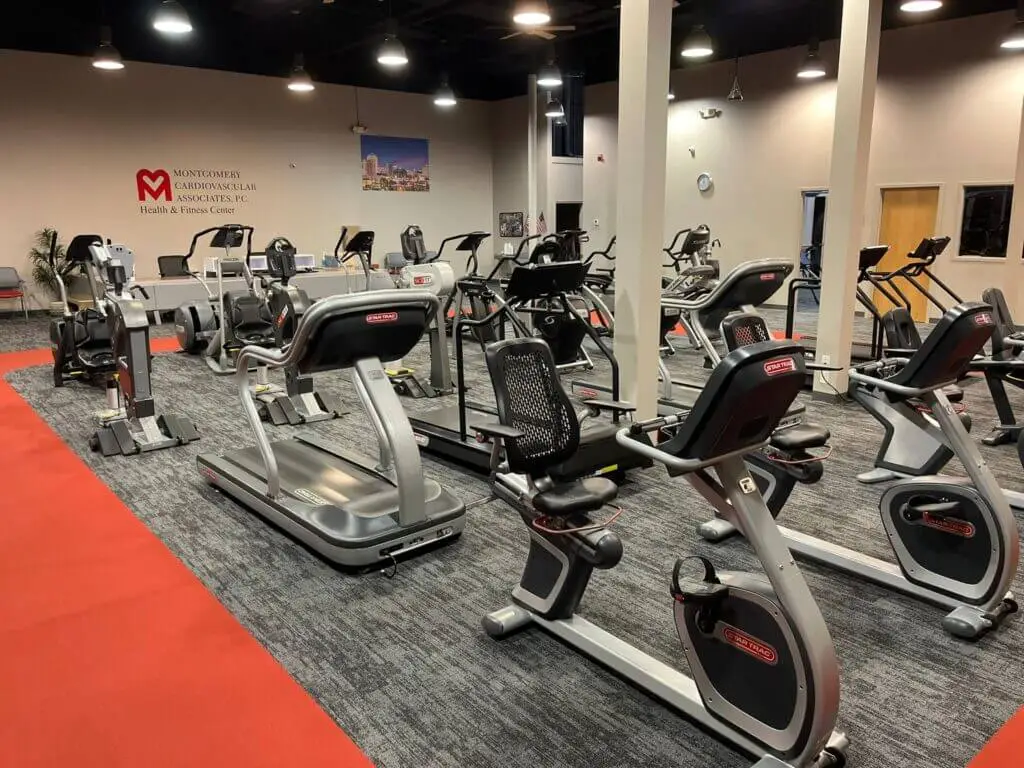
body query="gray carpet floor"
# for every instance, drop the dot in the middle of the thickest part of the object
(403, 666)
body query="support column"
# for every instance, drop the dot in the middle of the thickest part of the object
(848, 186)
(644, 53)
(531, 156)
(1014, 270)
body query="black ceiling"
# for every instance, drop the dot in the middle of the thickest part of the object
(338, 37)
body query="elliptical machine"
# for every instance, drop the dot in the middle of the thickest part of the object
(299, 402)
(245, 318)
(764, 671)
(955, 539)
(111, 341)
(417, 268)
(196, 323)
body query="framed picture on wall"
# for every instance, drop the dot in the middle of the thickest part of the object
(395, 164)
(511, 224)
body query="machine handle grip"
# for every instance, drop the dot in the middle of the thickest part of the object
(653, 425)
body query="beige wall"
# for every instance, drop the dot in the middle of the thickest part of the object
(948, 113)
(509, 129)
(72, 140)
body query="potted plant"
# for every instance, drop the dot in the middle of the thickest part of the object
(43, 273)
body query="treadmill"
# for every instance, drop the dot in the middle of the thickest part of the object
(747, 286)
(352, 511)
(882, 282)
(451, 431)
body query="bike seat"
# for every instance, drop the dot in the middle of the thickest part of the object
(800, 437)
(576, 497)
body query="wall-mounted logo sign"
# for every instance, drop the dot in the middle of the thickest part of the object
(153, 185)
(192, 191)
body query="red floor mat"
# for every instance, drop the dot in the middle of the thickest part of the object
(1006, 749)
(112, 654)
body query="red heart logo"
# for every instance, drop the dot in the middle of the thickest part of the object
(153, 185)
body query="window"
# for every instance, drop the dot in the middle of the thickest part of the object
(567, 137)
(985, 230)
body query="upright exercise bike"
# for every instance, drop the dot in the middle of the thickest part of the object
(955, 540)
(764, 671)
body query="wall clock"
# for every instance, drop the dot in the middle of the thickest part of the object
(705, 182)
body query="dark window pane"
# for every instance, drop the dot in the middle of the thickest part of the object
(986, 224)
(567, 137)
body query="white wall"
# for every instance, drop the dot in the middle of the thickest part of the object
(72, 140)
(948, 113)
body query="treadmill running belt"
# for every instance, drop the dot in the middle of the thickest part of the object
(311, 475)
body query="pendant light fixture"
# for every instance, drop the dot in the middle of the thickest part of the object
(107, 57)
(391, 53)
(531, 13)
(813, 67)
(698, 44)
(549, 76)
(445, 96)
(172, 19)
(554, 108)
(1014, 40)
(920, 6)
(736, 94)
(300, 81)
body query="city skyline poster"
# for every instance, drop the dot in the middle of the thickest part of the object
(395, 164)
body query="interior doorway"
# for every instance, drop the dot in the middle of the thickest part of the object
(908, 216)
(567, 216)
(812, 240)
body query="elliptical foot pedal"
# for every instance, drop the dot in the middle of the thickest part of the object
(123, 435)
(289, 411)
(273, 413)
(104, 442)
(178, 428)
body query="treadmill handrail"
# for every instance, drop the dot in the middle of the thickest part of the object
(703, 301)
(289, 355)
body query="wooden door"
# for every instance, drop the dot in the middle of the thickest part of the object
(908, 216)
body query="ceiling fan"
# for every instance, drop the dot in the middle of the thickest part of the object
(547, 32)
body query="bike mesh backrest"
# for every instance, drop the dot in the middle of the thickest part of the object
(1004, 321)
(530, 398)
(744, 329)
